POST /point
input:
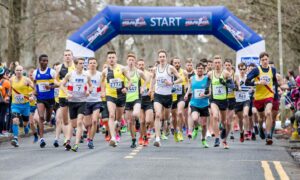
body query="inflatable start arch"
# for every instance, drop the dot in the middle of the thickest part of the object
(213, 20)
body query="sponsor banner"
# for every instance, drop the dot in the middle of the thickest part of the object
(250, 59)
(96, 32)
(162, 22)
(233, 31)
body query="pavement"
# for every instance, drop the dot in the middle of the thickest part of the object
(184, 160)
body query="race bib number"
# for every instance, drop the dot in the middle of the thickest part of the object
(178, 88)
(219, 90)
(241, 96)
(198, 93)
(266, 78)
(132, 89)
(42, 87)
(230, 91)
(78, 88)
(161, 82)
(115, 83)
(19, 99)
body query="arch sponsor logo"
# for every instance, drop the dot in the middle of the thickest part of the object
(202, 21)
(239, 35)
(135, 22)
(100, 31)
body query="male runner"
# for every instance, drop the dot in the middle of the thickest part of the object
(115, 75)
(133, 101)
(20, 108)
(220, 81)
(44, 87)
(79, 88)
(264, 78)
(162, 78)
(199, 103)
(147, 114)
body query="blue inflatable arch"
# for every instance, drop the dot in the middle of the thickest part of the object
(213, 20)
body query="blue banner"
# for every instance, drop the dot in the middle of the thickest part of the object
(214, 20)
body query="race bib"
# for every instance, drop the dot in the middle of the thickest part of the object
(115, 83)
(42, 87)
(241, 96)
(145, 92)
(19, 99)
(266, 78)
(219, 90)
(56, 92)
(178, 88)
(198, 93)
(78, 88)
(230, 91)
(132, 89)
(161, 82)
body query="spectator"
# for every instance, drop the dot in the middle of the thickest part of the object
(4, 98)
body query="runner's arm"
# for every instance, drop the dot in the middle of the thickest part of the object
(175, 72)
(64, 82)
(125, 73)
(57, 76)
(146, 79)
(251, 75)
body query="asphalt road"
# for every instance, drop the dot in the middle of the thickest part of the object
(185, 160)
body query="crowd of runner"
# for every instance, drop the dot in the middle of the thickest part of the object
(170, 97)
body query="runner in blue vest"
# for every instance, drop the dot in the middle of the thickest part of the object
(199, 87)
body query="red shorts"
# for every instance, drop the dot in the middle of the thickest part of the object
(276, 104)
(261, 104)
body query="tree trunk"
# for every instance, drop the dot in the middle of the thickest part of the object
(13, 30)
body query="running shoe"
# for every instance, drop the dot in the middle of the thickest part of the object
(253, 136)
(55, 143)
(217, 142)
(164, 137)
(141, 140)
(15, 142)
(223, 133)
(248, 135)
(225, 145)
(118, 138)
(133, 143)
(113, 143)
(180, 136)
(157, 143)
(190, 135)
(176, 137)
(148, 135)
(42, 143)
(68, 145)
(124, 129)
(75, 148)
(35, 138)
(146, 142)
(262, 133)
(204, 143)
(195, 133)
(269, 141)
(81, 139)
(91, 144)
(242, 137)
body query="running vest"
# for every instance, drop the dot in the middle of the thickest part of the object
(230, 92)
(20, 91)
(244, 94)
(133, 92)
(62, 73)
(41, 81)
(95, 96)
(198, 88)
(218, 89)
(145, 96)
(160, 86)
(77, 87)
(115, 82)
(264, 91)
